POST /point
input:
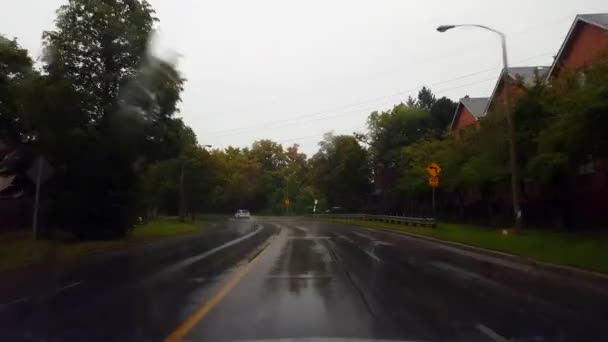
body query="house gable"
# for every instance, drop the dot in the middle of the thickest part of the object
(586, 41)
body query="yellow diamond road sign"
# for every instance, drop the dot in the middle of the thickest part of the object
(433, 169)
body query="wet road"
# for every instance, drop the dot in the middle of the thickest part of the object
(293, 278)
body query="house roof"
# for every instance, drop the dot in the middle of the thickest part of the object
(475, 105)
(527, 74)
(597, 19)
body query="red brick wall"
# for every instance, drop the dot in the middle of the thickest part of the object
(464, 118)
(589, 193)
(587, 43)
(498, 101)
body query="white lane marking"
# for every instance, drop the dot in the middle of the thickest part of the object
(462, 273)
(13, 302)
(303, 229)
(456, 248)
(68, 286)
(187, 262)
(345, 238)
(373, 256)
(368, 253)
(308, 238)
(365, 236)
(491, 333)
(304, 276)
(381, 243)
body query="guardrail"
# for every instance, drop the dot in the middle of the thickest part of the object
(409, 221)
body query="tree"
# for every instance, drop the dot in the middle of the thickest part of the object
(573, 121)
(341, 171)
(15, 70)
(441, 114)
(269, 154)
(426, 99)
(114, 115)
(97, 46)
(391, 130)
(411, 102)
(153, 95)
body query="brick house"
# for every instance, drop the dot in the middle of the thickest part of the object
(468, 112)
(585, 192)
(514, 83)
(472, 109)
(587, 40)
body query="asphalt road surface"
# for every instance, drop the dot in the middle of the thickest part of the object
(274, 278)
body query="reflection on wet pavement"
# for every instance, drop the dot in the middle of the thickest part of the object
(313, 279)
(302, 293)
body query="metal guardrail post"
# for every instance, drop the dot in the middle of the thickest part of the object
(408, 221)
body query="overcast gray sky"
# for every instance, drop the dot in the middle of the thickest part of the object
(292, 70)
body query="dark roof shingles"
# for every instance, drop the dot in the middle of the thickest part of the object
(599, 19)
(475, 105)
(529, 75)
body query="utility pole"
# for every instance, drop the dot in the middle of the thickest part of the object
(433, 203)
(287, 197)
(182, 197)
(37, 199)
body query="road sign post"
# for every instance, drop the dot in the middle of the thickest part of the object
(37, 199)
(39, 173)
(433, 202)
(433, 170)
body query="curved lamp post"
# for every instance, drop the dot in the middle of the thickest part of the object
(509, 115)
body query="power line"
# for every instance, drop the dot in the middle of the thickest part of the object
(537, 27)
(266, 125)
(363, 127)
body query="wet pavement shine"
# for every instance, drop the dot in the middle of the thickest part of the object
(277, 278)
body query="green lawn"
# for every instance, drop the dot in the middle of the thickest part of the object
(588, 251)
(18, 249)
(164, 227)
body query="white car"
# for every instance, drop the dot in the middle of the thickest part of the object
(242, 214)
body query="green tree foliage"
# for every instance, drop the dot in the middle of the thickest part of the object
(391, 130)
(100, 113)
(574, 126)
(341, 171)
(426, 99)
(103, 110)
(15, 74)
(441, 114)
(405, 124)
(269, 154)
(97, 47)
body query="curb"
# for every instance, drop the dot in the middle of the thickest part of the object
(567, 271)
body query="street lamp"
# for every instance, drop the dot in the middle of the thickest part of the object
(509, 115)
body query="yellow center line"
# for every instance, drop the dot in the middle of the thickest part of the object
(203, 310)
